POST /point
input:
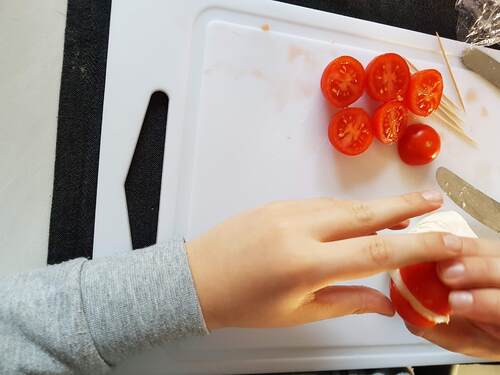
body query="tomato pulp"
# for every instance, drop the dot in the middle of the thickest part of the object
(420, 144)
(425, 92)
(350, 131)
(343, 81)
(390, 121)
(387, 77)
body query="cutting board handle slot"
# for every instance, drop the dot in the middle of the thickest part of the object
(143, 182)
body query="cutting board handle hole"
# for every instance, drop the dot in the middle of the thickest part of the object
(143, 182)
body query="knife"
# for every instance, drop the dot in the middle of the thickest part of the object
(483, 64)
(477, 204)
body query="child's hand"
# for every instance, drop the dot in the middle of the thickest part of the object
(475, 326)
(275, 266)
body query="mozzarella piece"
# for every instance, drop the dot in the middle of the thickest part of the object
(444, 221)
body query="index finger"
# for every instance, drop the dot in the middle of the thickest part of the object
(365, 256)
(346, 219)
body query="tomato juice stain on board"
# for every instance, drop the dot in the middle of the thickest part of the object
(471, 96)
(296, 52)
(265, 27)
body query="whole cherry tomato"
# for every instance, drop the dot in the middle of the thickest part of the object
(420, 144)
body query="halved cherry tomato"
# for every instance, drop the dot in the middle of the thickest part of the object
(350, 131)
(406, 310)
(420, 144)
(423, 282)
(343, 81)
(390, 121)
(425, 91)
(387, 77)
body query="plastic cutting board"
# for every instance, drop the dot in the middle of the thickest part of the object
(247, 125)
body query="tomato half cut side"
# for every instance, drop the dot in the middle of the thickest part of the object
(390, 121)
(420, 144)
(387, 77)
(350, 131)
(343, 81)
(425, 92)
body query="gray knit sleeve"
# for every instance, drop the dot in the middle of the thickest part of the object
(85, 316)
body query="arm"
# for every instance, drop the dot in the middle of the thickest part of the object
(270, 267)
(85, 316)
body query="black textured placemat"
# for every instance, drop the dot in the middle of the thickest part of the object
(427, 16)
(80, 115)
(78, 130)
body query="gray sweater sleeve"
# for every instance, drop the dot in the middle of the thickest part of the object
(84, 316)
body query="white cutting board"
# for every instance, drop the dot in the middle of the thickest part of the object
(247, 125)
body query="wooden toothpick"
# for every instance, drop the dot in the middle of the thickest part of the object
(443, 52)
(456, 129)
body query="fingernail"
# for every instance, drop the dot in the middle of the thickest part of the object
(432, 196)
(455, 271)
(452, 242)
(461, 301)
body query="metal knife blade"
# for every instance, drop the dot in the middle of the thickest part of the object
(477, 204)
(483, 64)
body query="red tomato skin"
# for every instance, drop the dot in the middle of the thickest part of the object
(331, 72)
(396, 93)
(423, 282)
(406, 311)
(333, 128)
(418, 83)
(420, 144)
(379, 117)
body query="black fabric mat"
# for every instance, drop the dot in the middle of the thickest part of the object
(78, 130)
(427, 16)
(80, 114)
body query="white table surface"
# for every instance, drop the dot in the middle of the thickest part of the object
(31, 51)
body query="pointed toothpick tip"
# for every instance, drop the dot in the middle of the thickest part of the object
(448, 66)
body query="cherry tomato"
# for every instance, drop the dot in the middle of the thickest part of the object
(423, 282)
(343, 81)
(406, 310)
(420, 144)
(350, 131)
(390, 121)
(387, 77)
(425, 91)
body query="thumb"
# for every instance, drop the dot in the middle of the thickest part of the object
(335, 301)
